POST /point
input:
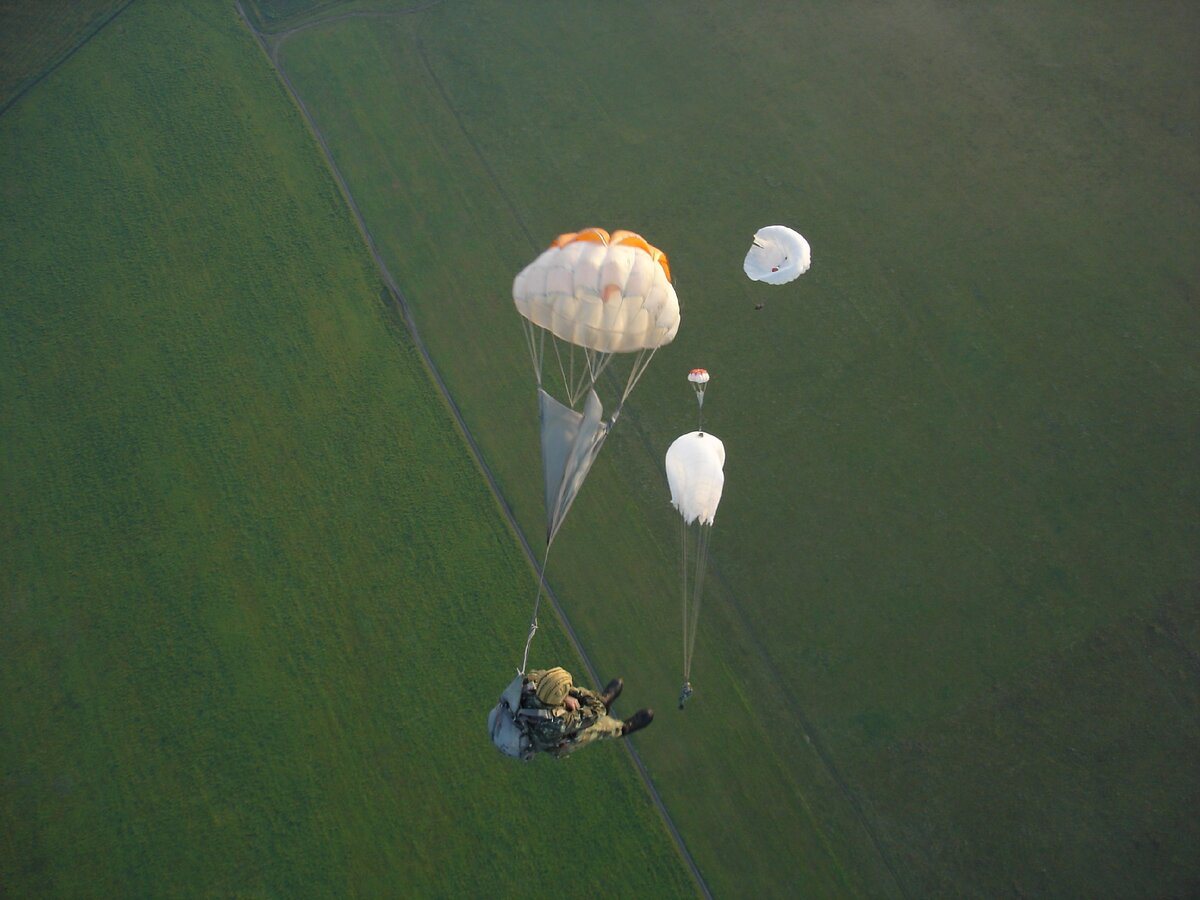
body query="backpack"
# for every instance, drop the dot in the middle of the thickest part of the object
(507, 721)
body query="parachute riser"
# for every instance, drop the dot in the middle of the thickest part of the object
(537, 600)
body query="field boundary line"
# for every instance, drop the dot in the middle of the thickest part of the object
(274, 40)
(401, 302)
(71, 51)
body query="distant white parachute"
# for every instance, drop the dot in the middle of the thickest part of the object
(777, 255)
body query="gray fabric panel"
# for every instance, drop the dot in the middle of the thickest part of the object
(570, 444)
(560, 424)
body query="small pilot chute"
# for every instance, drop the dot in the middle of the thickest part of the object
(699, 379)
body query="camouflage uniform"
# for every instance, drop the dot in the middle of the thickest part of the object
(560, 731)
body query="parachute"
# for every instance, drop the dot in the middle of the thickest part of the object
(695, 473)
(695, 464)
(592, 304)
(589, 297)
(777, 255)
(698, 379)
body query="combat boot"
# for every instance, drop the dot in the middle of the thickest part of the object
(639, 720)
(612, 691)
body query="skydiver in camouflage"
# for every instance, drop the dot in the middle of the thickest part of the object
(569, 717)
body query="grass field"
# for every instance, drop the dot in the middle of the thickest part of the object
(34, 37)
(950, 647)
(256, 595)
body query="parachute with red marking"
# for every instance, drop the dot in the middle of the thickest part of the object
(592, 304)
(777, 255)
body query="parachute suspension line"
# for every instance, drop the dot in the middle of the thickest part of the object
(585, 378)
(640, 361)
(562, 368)
(573, 383)
(640, 364)
(692, 598)
(687, 654)
(597, 362)
(702, 536)
(533, 620)
(535, 340)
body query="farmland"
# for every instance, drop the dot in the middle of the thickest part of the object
(950, 646)
(257, 597)
(255, 592)
(37, 37)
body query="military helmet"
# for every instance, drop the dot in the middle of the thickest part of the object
(553, 686)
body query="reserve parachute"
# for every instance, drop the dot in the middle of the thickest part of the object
(695, 467)
(777, 255)
(593, 304)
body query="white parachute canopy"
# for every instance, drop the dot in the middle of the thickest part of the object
(777, 255)
(592, 302)
(612, 298)
(695, 464)
(695, 472)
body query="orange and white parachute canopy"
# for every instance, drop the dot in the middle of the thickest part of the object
(599, 292)
(589, 299)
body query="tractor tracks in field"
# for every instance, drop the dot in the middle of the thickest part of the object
(270, 46)
(272, 41)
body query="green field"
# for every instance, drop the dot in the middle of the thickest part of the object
(950, 647)
(256, 595)
(257, 599)
(36, 37)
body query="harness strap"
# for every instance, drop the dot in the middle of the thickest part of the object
(527, 713)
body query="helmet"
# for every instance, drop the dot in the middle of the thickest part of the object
(553, 686)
